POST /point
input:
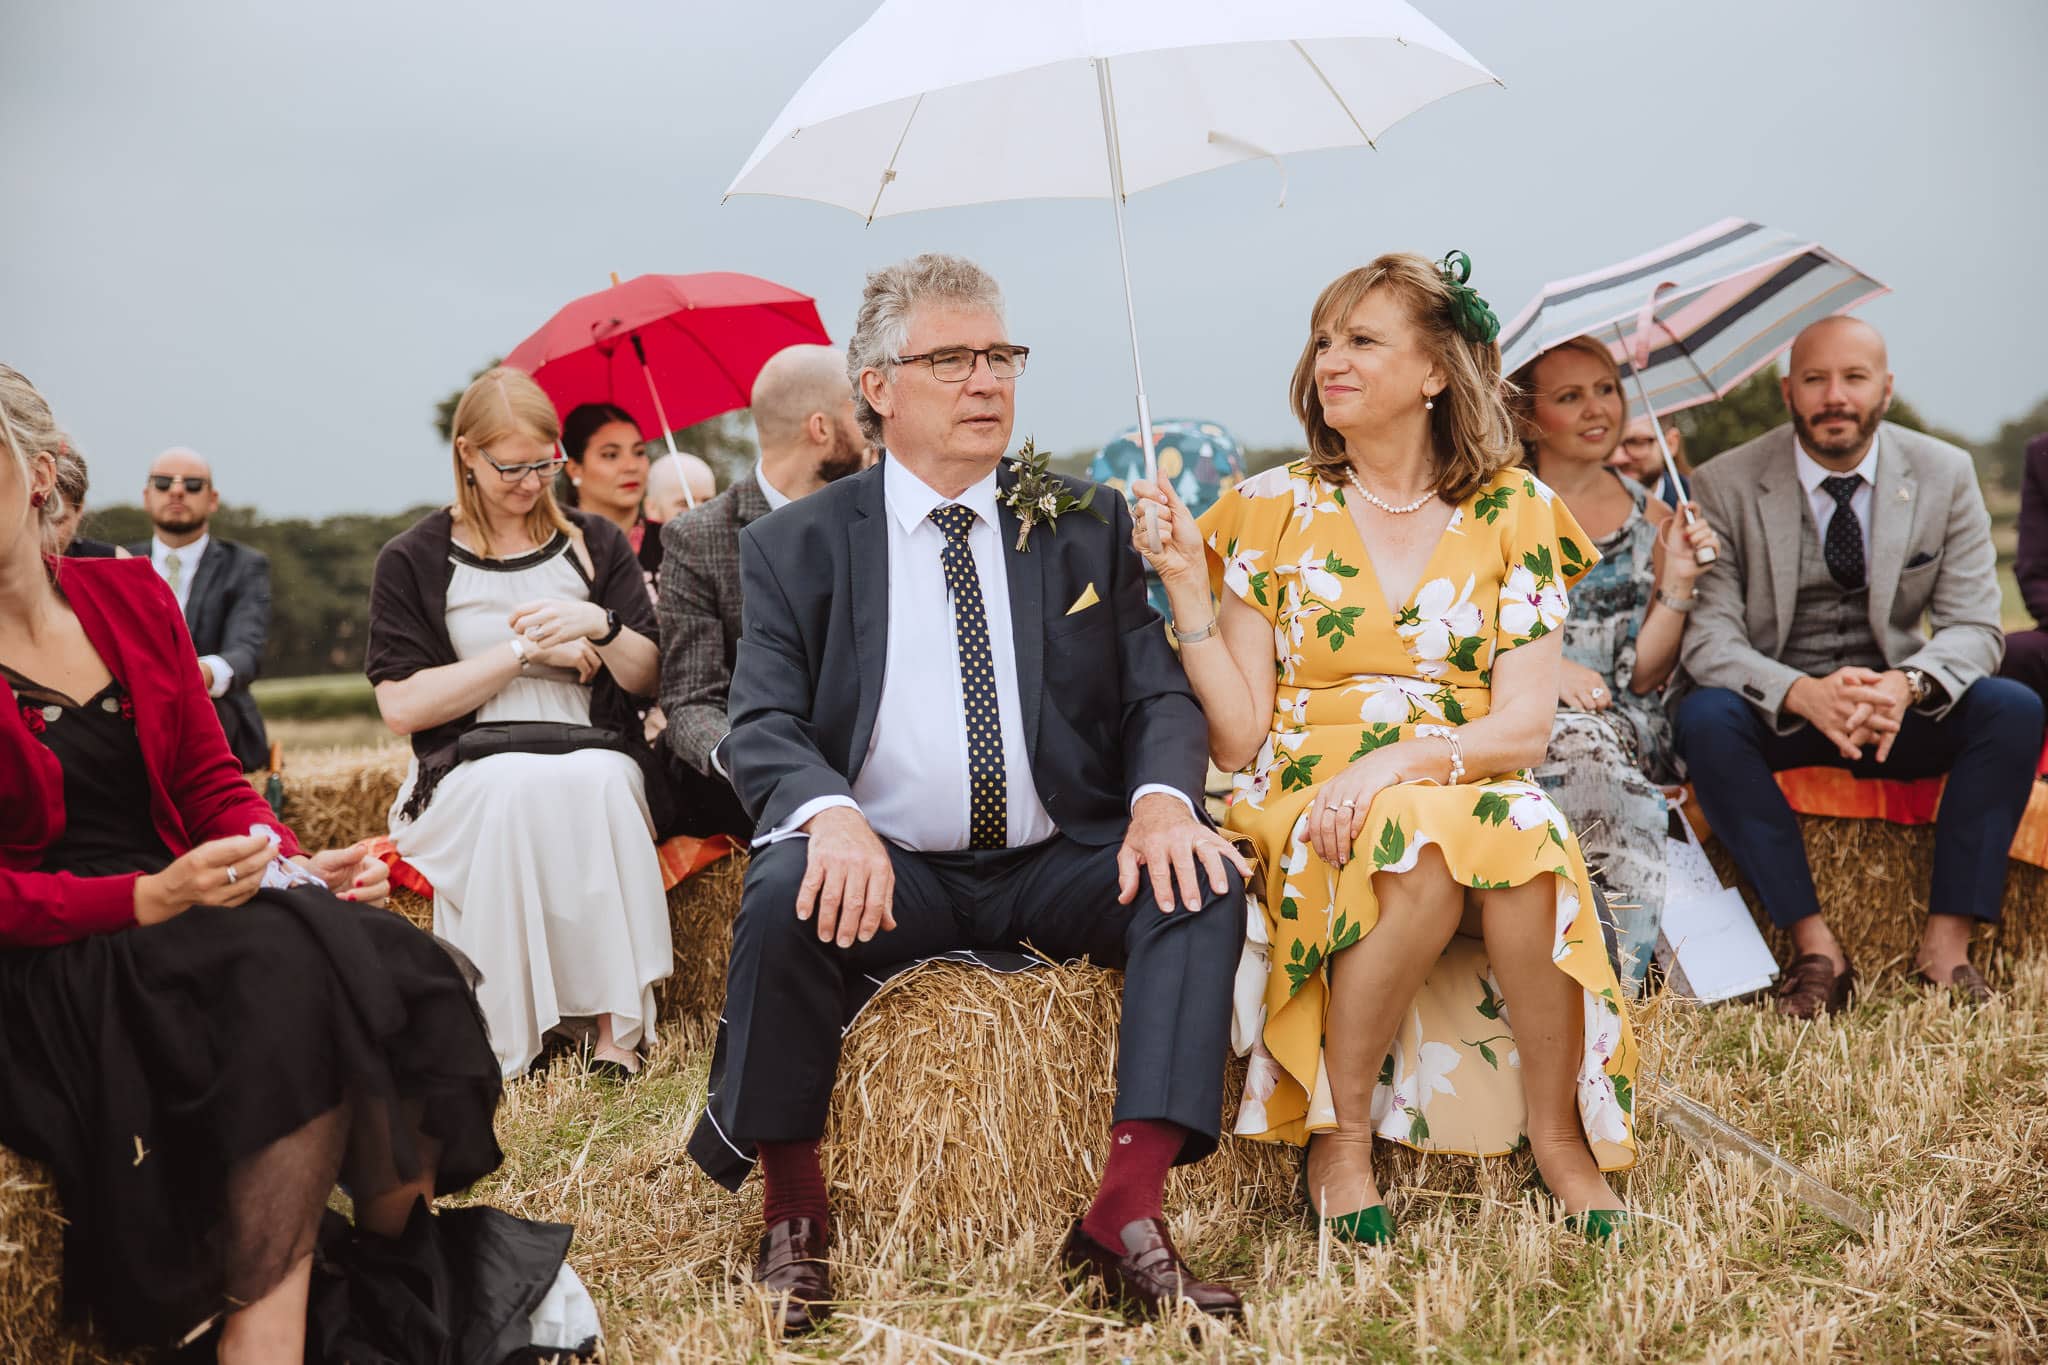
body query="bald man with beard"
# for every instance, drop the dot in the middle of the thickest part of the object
(1846, 532)
(802, 407)
(223, 588)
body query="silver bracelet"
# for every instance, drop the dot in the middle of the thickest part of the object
(1449, 736)
(1681, 605)
(1190, 637)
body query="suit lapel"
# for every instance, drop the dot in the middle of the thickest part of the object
(1782, 506)
(205, 575)
(1026, 574)
(1892, 503)
(867, 545)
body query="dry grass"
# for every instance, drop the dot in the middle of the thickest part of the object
(1935, 1116)
(334, 797)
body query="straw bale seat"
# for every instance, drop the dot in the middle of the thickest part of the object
(31, 1269)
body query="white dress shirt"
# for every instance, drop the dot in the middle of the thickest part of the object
(1811, 472)
(913, 786)
(777, 499)
(188, 566)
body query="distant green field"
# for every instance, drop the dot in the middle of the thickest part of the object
(325, 697)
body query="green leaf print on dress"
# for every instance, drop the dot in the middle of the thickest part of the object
(1393, 843)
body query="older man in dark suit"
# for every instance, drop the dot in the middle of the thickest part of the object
(1845, 533)
(224, 589)
(953, 737)
(803, 418)
(2026, 651)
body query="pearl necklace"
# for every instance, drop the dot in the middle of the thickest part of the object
(1351, 477)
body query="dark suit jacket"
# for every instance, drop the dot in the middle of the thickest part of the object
(228, 613)
(699, 606)
(1107, 708)
(2030, 563)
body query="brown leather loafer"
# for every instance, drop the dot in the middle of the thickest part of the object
(1146, 1276)
(1966, 981)
(1812, 987)
(792, 1265)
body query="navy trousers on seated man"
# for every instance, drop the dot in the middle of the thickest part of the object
(959, 730)
(1841, 535)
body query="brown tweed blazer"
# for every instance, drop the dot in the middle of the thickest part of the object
(698, 602)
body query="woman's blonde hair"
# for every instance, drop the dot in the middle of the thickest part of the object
(27, 429)
(499, 403)
(1522, 392)
(1469, 426)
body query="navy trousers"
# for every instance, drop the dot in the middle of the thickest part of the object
(1989, 744)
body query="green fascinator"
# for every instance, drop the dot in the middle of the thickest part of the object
(1474, 318)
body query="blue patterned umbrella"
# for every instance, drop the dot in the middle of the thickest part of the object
(1199, 459)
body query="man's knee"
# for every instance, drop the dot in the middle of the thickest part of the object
(2003, 707)
(768, 900)
(1221, 926)
(1708, 718)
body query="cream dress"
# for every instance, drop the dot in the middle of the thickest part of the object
(543, 865)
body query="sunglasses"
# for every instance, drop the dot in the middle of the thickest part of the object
(162, 483)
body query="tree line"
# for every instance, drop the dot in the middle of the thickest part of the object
(320, 570)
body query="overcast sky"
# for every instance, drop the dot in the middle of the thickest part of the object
(279, 233)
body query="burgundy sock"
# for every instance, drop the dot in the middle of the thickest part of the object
(1141, 1152)
(792, 1181)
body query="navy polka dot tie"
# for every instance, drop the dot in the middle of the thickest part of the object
(1843, 548)
(988, 818)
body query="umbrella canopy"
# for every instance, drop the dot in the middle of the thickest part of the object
(1689, 321)
(1198, 458)
(702, 339)
(925, 107)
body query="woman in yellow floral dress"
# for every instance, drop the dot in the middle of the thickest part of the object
(1382, 668)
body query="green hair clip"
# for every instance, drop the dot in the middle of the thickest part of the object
(1474, 318)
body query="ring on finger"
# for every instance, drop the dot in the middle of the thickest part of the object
(232, 877)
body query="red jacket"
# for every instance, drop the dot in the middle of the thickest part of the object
(197, 790)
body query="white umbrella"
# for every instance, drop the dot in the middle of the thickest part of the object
(927, 105)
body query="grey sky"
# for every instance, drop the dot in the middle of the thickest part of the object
(279, 234)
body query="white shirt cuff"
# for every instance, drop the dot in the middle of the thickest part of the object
(717, 766)
(223, 676)
(794, 826)
(1174, 792)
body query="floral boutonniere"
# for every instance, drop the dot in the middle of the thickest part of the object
(1041, 495)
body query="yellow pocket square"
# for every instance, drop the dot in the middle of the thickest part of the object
(1086, 600)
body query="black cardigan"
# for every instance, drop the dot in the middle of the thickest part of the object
(409, 632)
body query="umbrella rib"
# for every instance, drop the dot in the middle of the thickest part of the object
(889, 171)
(1295, 43)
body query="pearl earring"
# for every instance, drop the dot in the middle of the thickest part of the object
(576, 483)
(1429, 404)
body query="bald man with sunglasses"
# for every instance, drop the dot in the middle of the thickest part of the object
(224, 589)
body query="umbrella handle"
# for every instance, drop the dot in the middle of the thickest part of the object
(1705, 554)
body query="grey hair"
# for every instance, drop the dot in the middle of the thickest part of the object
(882, 327)
(27, 428)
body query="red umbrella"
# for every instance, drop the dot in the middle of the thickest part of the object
(669, 349)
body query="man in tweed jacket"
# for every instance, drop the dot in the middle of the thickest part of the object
(803, 418)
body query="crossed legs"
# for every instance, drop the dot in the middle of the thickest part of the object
(1373, 983)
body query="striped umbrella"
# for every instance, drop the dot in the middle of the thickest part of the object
(1689, 321)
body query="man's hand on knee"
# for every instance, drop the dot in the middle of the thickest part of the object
(849, 881)
(1167, 842)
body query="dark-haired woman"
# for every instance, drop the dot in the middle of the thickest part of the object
(200, 1027)
(607, 476)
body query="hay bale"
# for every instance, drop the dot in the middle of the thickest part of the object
(31, 1270)
(1873, 877)
(333, 799)
(974, 1107)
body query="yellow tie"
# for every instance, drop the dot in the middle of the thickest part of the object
(174, 571)
(988, 809)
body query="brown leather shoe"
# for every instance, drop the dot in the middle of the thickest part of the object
(1966, 981)
(1811, 987)
(1146, 1276)
(792, 1264)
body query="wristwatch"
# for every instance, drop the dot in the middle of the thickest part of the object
(521, 652)
(1920, 682)
(612, 627)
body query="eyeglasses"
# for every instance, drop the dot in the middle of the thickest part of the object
(955, 363)
(1637, 445)
(513, 473)
(162, 483)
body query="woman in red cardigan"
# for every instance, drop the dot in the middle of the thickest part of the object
(201, 1028)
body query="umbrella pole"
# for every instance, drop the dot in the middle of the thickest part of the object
(1123, 255)
(1705, 556)
(682, 474)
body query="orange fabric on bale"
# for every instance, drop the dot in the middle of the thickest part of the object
(681, 858)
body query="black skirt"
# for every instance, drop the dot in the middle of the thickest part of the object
(155, 1069)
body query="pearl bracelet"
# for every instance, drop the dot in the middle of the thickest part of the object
(1450, 737)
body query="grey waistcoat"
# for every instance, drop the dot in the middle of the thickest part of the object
(1830, 627)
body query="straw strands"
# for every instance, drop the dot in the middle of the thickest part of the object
(332, 799)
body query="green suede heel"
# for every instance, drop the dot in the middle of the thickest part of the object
(1599, 1225)
(1368, 1227)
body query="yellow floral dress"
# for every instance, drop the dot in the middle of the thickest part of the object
(1354, 675)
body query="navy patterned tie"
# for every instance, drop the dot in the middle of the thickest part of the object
(988, 818)
(1843, 548)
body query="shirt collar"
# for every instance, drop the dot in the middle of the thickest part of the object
(1812, 471)
(911, 499)
(775, 496)
(188, 555)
